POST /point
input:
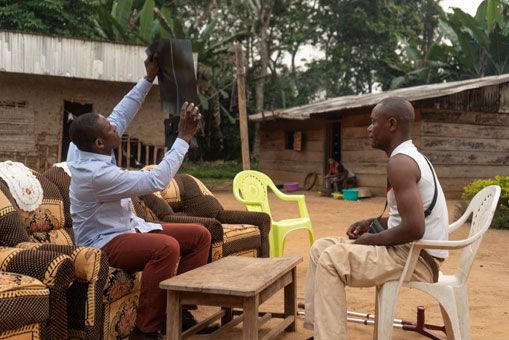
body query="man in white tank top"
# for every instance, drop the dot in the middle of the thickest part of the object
(369, 259)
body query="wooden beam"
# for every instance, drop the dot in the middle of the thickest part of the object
(241, 90)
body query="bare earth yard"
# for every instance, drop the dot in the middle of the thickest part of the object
(488, 282)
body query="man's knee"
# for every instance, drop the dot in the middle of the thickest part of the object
(205, 235)
(318, 248)
(165, 246)
(331, 259)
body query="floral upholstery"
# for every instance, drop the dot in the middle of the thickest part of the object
(241, 238)
(119, 284)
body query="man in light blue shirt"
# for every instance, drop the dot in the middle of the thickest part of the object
(100, 203)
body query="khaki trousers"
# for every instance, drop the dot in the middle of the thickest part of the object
(336, 262)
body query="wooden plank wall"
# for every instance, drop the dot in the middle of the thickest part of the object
(464, 146)
(284, 165)
(357, 155)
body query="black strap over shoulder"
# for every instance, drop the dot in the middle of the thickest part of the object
(428, 211)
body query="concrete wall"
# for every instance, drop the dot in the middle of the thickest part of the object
(42, 114)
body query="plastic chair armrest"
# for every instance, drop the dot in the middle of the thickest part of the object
(448, 245)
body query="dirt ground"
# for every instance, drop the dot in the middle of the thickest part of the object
(488, 283)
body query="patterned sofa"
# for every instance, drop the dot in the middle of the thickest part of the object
(33, 287)
(189, 201)
(102, 301)
(78, 308)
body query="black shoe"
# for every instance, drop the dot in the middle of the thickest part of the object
(136, 334)
(188, 321)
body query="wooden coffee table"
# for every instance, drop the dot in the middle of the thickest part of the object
(234, 282)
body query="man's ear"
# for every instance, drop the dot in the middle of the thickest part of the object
(393, 123)
(99, 143)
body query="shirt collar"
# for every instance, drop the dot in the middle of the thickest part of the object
(84, 155)
(401, 146)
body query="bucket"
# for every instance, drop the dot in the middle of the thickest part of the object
(350, 194)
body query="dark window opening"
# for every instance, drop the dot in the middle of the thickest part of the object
(289, 140)
(71, 111)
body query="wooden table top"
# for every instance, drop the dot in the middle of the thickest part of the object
(233, 275)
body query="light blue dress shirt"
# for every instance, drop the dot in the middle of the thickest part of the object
(100, 191)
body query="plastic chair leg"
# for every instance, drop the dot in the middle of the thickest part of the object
(386, 299)
(463, 312)
(449, 314)
(311, 236)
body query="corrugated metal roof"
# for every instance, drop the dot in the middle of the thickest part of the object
(56, 56)
(349, 102)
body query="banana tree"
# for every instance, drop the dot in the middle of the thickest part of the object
(469, 47)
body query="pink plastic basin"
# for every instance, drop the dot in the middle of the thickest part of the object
(291, 186)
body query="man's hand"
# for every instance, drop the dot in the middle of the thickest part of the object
(366, 239)
(358, 228)
(152, 67)
(189, 121)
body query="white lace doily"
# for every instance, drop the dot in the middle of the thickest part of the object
(23, 185)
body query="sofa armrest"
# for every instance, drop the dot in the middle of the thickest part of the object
(259, 219)
(213, 225)
(56, 271)
(91, 273)
(89, 263)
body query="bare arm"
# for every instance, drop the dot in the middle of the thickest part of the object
(404, 174)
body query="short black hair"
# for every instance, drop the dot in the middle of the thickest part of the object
(83, 131)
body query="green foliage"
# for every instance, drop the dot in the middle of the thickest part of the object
(469, 47)
(71, 18)
(216, 170)
(501, 218)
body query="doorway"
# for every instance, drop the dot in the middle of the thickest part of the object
(71, 111)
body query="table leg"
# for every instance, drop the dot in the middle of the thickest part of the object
(291, 301)
(173, 316)
(250, 330)
(228, 315)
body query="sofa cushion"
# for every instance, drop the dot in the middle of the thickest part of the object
(23, 300)
(50, 214)
(62, 181)
(12, 228)
(241, 238)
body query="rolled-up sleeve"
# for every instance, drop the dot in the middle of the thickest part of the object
(127, 108)
(112, 183)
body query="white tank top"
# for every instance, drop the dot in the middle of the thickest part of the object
(437, 223)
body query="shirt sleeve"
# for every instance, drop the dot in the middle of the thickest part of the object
(127, 108)
(113, 183)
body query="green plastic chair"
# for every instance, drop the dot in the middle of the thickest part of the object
(250, 188)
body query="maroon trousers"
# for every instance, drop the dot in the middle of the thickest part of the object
(157, 255)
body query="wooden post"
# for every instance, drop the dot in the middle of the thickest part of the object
(241, 90)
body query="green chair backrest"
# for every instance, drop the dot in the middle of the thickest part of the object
(250, 186)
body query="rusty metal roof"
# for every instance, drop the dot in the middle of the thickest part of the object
(74, 58)
(350, 102)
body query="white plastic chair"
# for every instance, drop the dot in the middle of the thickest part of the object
(450, 290)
